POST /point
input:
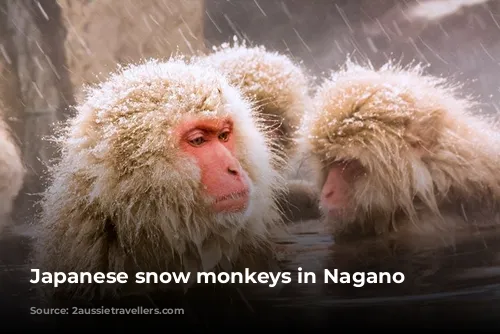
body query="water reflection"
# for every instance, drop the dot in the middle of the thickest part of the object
(441, 284)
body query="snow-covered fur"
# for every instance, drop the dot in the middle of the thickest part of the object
(125, 199)
(277, 86)
(430, 163)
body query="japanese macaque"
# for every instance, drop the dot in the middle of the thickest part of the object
(279, 90)
(277, 86)
(11, 173)
(401, 151)
(166, 167)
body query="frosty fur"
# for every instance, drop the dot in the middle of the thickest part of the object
(432, 163)
(278, 87)
(123, 198)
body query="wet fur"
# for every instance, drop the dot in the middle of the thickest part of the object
(123, 198)
(432, 164)
(279, 89)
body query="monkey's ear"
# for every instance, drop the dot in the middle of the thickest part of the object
(424, 130)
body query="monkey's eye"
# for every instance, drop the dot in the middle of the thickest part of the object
(197, 141)
(224, 136)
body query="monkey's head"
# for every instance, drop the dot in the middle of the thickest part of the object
(167, 150)
(387, 142)
(277, 86)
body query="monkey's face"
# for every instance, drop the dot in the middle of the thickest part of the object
(225, 184)
(337, 183)
(374, 144)
(373, 179)
(172, 148)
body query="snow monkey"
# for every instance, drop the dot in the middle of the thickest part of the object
(401, 151)
(279, 89)
(166, 167)
(11, 173)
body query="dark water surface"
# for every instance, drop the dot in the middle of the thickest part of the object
(449, 288)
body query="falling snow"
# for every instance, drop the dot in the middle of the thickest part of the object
(457, 39)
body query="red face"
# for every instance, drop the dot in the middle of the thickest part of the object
(212, 144)
(339, 182)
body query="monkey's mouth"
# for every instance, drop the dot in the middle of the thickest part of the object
(233, 196)
(232, 202)
(332, 210)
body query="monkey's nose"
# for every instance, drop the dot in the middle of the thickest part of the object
(328, 194)
(232, 171)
